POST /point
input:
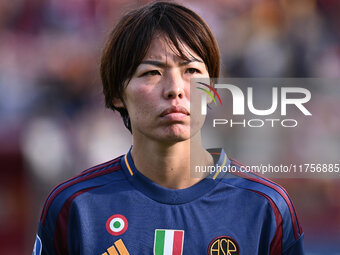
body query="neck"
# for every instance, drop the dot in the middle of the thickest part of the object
(169, 164)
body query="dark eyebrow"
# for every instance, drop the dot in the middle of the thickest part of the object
(154, 63)
(186, 62)
(163, 65)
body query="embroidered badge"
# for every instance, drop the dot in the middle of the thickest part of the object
(223, 245)
(116, 225)
(168, 242)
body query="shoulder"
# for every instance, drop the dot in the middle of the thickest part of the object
(288, 229)
(90, 179)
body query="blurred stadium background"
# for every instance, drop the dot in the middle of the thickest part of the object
(53, 123)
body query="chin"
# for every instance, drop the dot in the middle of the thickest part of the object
(174, 134)
(178, 138)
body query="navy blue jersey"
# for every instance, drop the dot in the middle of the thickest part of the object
(114, 209)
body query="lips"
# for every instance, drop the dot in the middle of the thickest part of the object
(175, 109)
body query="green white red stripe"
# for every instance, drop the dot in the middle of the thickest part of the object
(168, 242)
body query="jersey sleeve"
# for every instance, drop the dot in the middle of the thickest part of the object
(53, 228)
(288, 234)
(296, 248)
(43, 243)
(53, 236)
(57, 223)
(288, 238)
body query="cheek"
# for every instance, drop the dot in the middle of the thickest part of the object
(197, 119)
(196, 101)
(140, 102)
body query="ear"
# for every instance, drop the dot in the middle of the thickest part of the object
(118, 103)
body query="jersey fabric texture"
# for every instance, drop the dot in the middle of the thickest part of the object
(113, 209)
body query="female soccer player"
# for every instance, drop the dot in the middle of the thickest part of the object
(145, 202)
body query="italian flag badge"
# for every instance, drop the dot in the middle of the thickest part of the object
(168, 242)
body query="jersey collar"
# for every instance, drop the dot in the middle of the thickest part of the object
(175, 196)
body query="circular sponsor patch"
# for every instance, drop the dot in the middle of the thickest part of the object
(116, 225)
(223, 245)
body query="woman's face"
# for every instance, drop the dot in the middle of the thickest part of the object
(158, 95)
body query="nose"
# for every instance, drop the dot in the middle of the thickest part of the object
(175, 87)
(174, 93)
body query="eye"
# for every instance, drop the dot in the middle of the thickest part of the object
(151, 73)
(192, 70)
